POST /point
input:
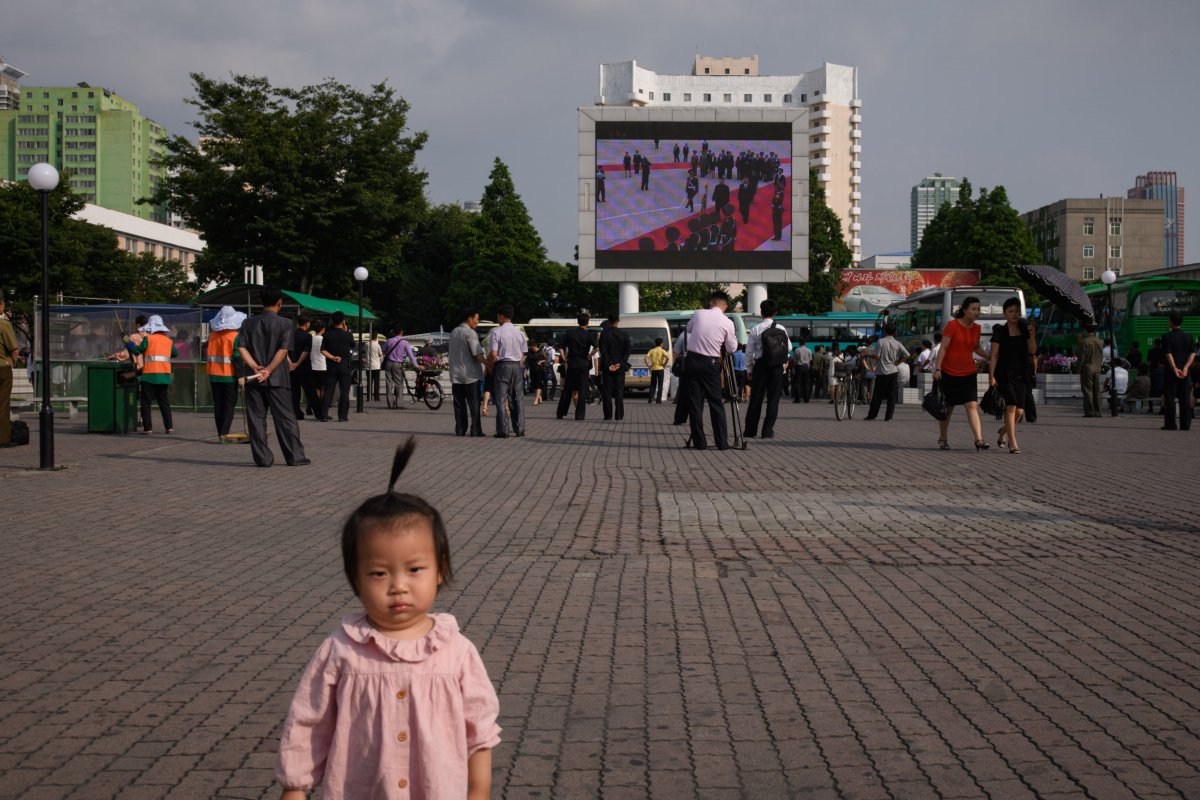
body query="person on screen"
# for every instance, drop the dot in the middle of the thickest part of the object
(704, 146)
(704, 199)
(645, 174)
(691, 186)
(745, 198)
(672, 234)
(685, 151)
(628, 165)
(637, 162)
(692, 242)
(720, 195)
(600, 196)
(695, 161)
(675, 152)
(777, 215)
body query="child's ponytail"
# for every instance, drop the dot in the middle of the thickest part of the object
(400, 460)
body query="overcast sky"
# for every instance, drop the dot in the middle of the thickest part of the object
(1050, 99)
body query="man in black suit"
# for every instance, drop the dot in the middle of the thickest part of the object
(645, 173)
(263, 345)
(298, 365)
(336, 347)
(745, 199)
(577, 355)
(720, 195)
(615, 347)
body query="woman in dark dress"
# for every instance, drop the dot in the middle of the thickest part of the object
(1013, 344)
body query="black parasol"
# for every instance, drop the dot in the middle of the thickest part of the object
(1058, 287)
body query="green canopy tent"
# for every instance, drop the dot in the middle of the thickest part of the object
(245, 297)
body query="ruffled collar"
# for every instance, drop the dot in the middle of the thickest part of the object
(359, 629)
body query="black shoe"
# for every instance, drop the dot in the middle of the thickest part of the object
(719, 447)
(520, 434)
(264, 466)
(476, 434)
(303, 462)
(1168, 428)
(865, 419)
(768, 435)
(460, 433)
(500, 436)
(749, 435)
(299, 417)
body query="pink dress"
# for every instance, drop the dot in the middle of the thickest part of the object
(375, 717)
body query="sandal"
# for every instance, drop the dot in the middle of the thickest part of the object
(943, 444)
(982, 445)
(1001, 437)
(1014, 450)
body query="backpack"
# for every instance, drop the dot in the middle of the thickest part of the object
(774, 346)
(20, 433)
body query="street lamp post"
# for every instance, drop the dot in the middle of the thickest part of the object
(44, 177)
(361, 275)
(1109, 277)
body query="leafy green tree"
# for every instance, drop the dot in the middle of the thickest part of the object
(504, 259)
(309, 183)
(828, 255)
(985, 234)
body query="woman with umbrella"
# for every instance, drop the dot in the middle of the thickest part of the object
(960, 343)
(1013, 343)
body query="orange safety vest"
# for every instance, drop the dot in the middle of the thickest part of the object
(220, 354)
(158, 355)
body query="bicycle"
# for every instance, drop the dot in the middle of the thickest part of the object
(425, 387)
(845, 390)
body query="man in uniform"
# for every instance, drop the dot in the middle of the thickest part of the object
(576, 354)
(263, 345)
(615, 347)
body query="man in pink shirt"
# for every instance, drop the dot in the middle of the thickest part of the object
(709, 334)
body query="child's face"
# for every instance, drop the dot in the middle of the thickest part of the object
(398, 579)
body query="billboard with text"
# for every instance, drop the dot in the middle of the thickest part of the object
(872, 290)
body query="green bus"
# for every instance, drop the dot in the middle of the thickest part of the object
(843, 328)
(1141, 307)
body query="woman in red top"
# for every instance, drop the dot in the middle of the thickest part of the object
(955, 369)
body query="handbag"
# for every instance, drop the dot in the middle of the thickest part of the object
(677, 366)
(935, 403)
(993, 402)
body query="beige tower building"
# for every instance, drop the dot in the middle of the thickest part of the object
(829, 94)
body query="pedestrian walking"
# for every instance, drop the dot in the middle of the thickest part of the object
(767, 349)
(319, 367)
(374, 365)
(1179, 350)
(710, 336)
(263, 345)
(466, 371)
(955, 370)
(396, 696)
(1014, 343)
(536, 361)
(8, 358)
(156, 350)
(395, 351)
(508, 347)
(1091, 358)
(336, 347)
(888, 354)
(222, 381)
(615, 347)
(576, 353)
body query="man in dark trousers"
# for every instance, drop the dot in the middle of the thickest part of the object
(710, 334)
(645, 173)
(767, 349)
(745, 198)
(720, 195)
(263, 345)
(777, 216)
(576, 353)
(615, 347)
(336, 347)
(1179, 350)
(299, 366)
(600, 196)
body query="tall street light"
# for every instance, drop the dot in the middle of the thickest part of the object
(361, 275)
(44, 178)
(1109, 277)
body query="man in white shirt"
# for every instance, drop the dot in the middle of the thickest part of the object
(764, 365)
(710, 335)
(801, 366)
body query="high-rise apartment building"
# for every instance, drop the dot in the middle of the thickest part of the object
(1164, 186)
(10, 86)
(1085, 236)
(93, 134)
(927, 197)
(829, 93)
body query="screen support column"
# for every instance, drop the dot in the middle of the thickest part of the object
(627, 298)
(755, 294)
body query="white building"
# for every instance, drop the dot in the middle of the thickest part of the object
(829, 93)
(926, 200)
(901, 259)
(136, 235)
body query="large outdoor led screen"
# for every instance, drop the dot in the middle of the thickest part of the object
(693, 194)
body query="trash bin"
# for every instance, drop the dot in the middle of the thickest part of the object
(112, 401)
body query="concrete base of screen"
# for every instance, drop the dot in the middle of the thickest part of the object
(755, 294)
(627, 298)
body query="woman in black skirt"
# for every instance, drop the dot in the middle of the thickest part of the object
(1013, 343)
(955, 369)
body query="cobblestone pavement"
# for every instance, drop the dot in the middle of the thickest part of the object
(843, 611)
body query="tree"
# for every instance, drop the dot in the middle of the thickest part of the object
(985, 234)
(309, 183)
(828, 255)
(504, 259)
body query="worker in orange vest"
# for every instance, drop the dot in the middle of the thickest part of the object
(223, 329)
(157, 350)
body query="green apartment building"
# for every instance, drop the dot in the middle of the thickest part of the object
(95, 136)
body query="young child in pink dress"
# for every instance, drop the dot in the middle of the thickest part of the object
(396, 702)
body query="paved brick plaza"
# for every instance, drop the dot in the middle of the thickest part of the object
(843, 611)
